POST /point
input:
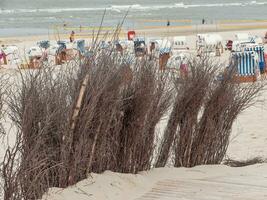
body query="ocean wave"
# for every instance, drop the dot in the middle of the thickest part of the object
(251, 3)
(213, 5)
(126, 7)
(183, 5)
(49, 10)
(133, 7)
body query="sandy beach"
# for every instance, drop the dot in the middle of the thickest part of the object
(172, 105)
(24, 43)
(199, 183)
(226, 30)
(248, 140)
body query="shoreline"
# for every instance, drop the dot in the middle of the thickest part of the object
(148, 31)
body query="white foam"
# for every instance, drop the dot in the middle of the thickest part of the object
(126, 7)
(252, 3)
(48, 10)
(133, 7)
(183, 5)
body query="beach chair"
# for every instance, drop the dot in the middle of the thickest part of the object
(179, 43)
(153, 47)
(37, 56)
(247, 66)
(45, 44)
(164, 56)
(259, 51)
(60, 56)
(81, 46)
(139, 47)
(131, 35)
(9, 53)
(179, 62)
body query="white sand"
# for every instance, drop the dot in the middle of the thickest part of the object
(249, 139)
(199, 183)
(249, 134)
(28, 41)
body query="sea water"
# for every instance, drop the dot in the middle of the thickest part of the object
(44, 15)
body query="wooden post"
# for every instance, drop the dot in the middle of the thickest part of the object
(75, 114)
(79, 101)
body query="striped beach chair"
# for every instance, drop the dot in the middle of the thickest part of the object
(260, 52)
(164, 55)
(247, 66)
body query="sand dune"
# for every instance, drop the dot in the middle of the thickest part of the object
(201, 183)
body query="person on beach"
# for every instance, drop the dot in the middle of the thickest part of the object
(203, 21)
(168, 23)
(2, 57)
(184, 67)
(72, 36)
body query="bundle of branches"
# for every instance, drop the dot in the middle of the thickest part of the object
(147, 98)
(4, 84)
(97, 116)
(200, 124)
(38, 107)
(90, 138)
(115, 127)
(190, 95)
(224, 103)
